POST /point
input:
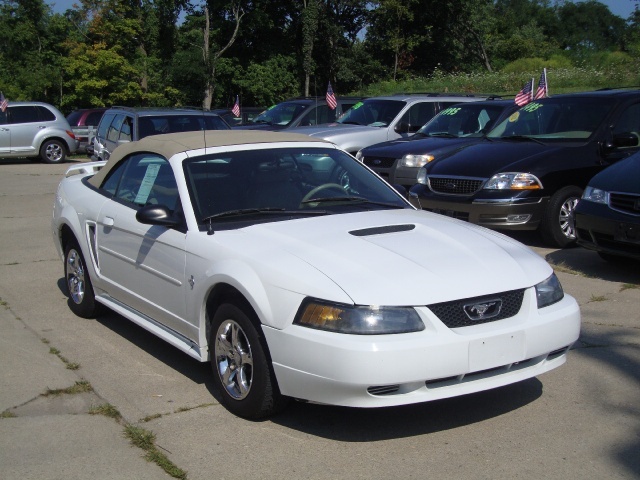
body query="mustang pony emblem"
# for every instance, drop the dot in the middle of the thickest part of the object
(483, 311)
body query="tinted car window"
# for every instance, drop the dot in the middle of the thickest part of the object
(93, 118)
(462, 120)
(147, 179)
(44, 114)
(74, 117)
(555, 119)
(629, 121)
(23, 114)
(105, 123)
(373, 112)
(114, 129)
(281, 114)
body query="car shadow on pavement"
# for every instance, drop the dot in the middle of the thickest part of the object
(581, 261)
(366, 425)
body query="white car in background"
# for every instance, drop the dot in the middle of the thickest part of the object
(299, 273)
(380, 119)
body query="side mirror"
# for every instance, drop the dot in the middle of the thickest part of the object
(157, 215)
(626, 139)
(402, 127)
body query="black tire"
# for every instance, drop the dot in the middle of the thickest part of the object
(82, 299)
(557, 228)
(241, 364)
(53, 151)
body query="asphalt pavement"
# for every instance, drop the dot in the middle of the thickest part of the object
(58, 372)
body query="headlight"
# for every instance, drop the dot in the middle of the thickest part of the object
(358, 320)
(422, 176)
(513, 181)
(596, 195)
(549, 291)
(411, 160)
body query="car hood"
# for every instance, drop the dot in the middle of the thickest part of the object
(259, 126)
(332, 131)
(622, 176)
(399, 257)
(416, 145)
(486, 158)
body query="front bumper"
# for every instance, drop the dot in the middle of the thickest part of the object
(602, 229)
(499, 213)
(386, 370)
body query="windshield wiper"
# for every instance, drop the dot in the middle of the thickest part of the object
(350, 122)
(443, 134)
(350, 200)
(523, 137)
(242, 212)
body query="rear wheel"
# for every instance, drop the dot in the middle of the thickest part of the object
(241, 367)
(557, 227)
(53, 151)
(82, 300)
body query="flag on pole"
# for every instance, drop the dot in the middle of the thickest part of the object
(236, 107)
(331, 98)
(525, 95)
(3, 102)
(543, 86)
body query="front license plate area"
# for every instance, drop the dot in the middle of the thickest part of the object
(496, 351)
(627, 232)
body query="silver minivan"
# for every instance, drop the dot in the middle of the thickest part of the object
(35, 130)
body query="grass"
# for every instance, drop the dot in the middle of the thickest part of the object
(146, 440)
(597, 298)
(628, 286)
(81, 386)
(55, 351)
(7, 414)
(107, 410)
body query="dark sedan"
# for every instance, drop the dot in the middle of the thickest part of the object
(607, 218)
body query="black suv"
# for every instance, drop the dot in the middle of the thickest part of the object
(300, 112)
(399, 160)
(124, 124)
(531, 169)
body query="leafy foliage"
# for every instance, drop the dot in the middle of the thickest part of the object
(153, 52)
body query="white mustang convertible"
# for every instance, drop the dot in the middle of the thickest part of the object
(299, 273)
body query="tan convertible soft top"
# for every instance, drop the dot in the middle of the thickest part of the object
(169, 144)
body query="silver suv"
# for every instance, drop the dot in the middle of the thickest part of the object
(124, 124)
(379, 119)
(35, 130)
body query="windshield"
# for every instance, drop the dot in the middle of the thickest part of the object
(281, 114)
(281, 183)
(559, 118)
(374, 113)
(462, 120)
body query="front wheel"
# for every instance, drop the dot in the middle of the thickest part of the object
(557, 228)
(242, 370)
(53, 151)
(82, 300)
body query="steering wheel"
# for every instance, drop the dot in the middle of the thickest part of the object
(319, 188)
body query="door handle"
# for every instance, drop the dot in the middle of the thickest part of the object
(108, 221)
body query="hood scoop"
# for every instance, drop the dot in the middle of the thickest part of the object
(366, 232)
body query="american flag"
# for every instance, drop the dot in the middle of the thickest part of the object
(3, 102)
(543, 88)
(525, 95)
(236, 107)
(331, 98)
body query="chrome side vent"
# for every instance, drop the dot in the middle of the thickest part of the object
(383, 389)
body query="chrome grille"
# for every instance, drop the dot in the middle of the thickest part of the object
(455, 185)
(452, 313)
(625, 202)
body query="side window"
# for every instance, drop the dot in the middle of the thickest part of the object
(125, 130)
(418, 114)
(104, 124)
(93, 118)
(3, 117)
(316, 116)
(114, 129)
(110, 184)
(45, 114)
(629, 121)
(147, 179)
(23, 114)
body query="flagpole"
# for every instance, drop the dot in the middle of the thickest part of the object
(546, 84)
(533, 95)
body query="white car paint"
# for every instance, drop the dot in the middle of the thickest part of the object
(168, 274)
